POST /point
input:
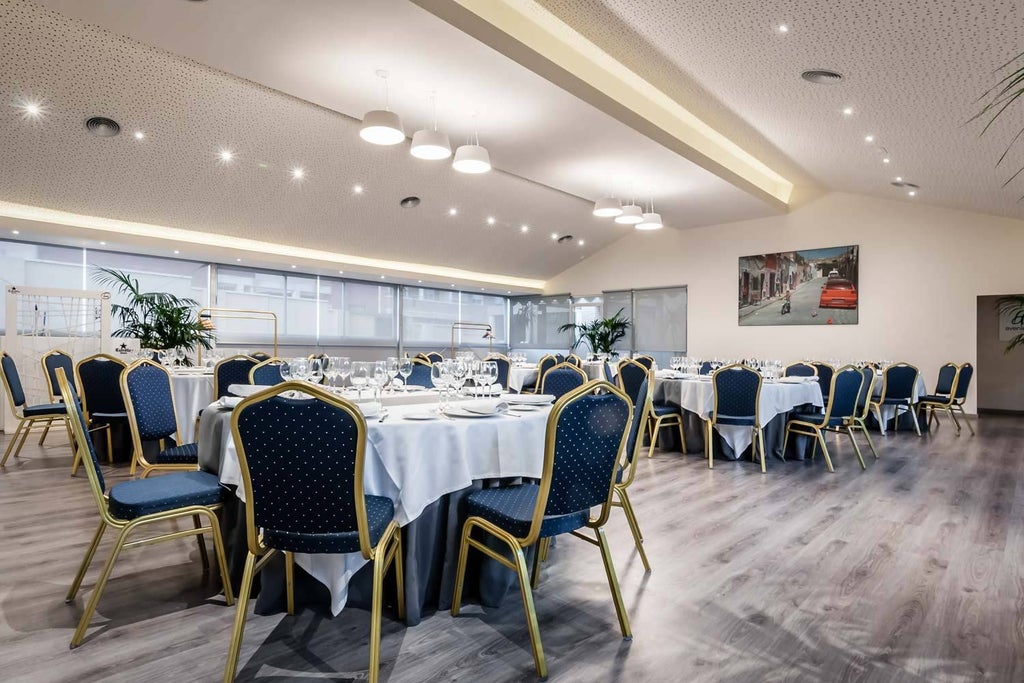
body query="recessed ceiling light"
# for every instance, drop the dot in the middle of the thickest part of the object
(899, 179)
(453, 211)
(176, 251)
(358, 189)
(509, 291)
(481, 289)
(490, 220)
(298, 173)
(524, 228)
(103, 244)
(885, 160)
(238, 260)
(783, 28)
(554, 235)
(139, 135)
(848, 111)
(869, 138)
(581, 243)
(912, 193)
(420, 281)
(31, 109)
(453, 285)
(341, 272)
(294, 266)
(226, 155)
(381, 277)
(15, 232)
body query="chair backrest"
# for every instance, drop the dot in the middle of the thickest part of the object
(608, 375)
(267, 372)
(233, 370)
(562, 379)
(99, 381)
(844, 392)
(705, 368)
(825, 372)
(83, 443)
(420, 375)
(301, 463)
(898, 381)
(149, 402)
(260, 356)
(504, 364)
(801, 370)
(559, 358)
(630, 376)
(947, 376)
(737, 392)
(545, 364)
(435, 357)
(963, 381)
(12, 382)
(646, 361)
(586, 432)
(867, 388)
(641, 408)
(573, 359)
(50, 362)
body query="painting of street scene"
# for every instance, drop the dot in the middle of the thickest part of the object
(807, 287)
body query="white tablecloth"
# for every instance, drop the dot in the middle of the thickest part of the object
(697, 396)
(518, 376)
(889, 412)
(416, 462)
(192, 393)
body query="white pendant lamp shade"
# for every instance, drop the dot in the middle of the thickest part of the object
(631, 215)
(382, 127)
(430, 144)
(607, 207)
(651, 221)
(472, 159)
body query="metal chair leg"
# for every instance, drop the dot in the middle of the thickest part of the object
(634, 526)
(289, 581)
(963, 413)
(913, 416)
(613, 583)
(46, 430)
(760, 439)
(376, 607)
(864, 429)
(201, 542)
(86, 561)
(399, 575)
(708, 446)
(10, 446)
(97, 590)
(460, 574)
(824, 450)
(222, 562)
(241, 608)
(856, 448)
(535, 569)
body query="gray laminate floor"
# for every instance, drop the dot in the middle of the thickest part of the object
(910, 571)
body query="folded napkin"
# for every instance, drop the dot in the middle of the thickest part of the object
(797, 380)
(227, 402)
(484, 407)
(370, 409)
(669, 374)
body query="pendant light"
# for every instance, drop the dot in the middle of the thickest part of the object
(607, 207)
(472, 158)
(429, 143)
(631, 215)
(382, 126)
(651, 219)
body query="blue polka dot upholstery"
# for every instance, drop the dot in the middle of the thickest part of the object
(12, 380)
(799, 370)
(645, 361)
(559, 358)
(705, 368)
(101, 386)
(825, 372)
(503, 368)
(420, 376)
(608, 374)
(511, 508)
(660, 409)
(231, 371)
(737, 392)
(898, 384)
(631, 376)
(185, 454)
(944, 384)
(132, 499)
(74, 408)
(435, 357)
(573, 359)
(845, 389)
(963, 382)
(266, 375)
(643, 393)
(301, 457)
(561, 381)
(54, 360)
(149, 392)
(43, 409)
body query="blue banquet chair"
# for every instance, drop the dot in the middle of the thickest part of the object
(630, 374)
(839, 414)
(867, 389)
(99, 383)
(435, 357)
(561, 379)
(953, 401)
(149, 400)
(736, 401)
(706, 368)
(646, 361)
(315, 445)
(260, 356)
(233, 370)
(420, 376)
(266, 373)
(573, 359)
(824, 372)
(627, 470)
(586, 432)
(50, 362)
(504, 365)
(899, 382)
(800, 370)
(130, 505)
(545, 364)
(26, 415)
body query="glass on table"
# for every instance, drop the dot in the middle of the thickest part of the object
(316, 370)
(440, 374)
(405, 370)
(361, 373)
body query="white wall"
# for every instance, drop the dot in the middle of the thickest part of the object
(921, 271)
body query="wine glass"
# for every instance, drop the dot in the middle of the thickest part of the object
(316, 370)
(392, 365)
(489, 374)
(285, 368)
(179, 355)
(360, 376)
(300, 368)
(380, 377)
(163, 356)
(440, 375)
(405, 370)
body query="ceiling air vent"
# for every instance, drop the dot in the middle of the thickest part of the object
(910, 186)
(565, 238)
(409, 202)
(102, 126)
(822, 76)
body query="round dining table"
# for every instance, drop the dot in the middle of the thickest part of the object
(521, 375)
(193, 391)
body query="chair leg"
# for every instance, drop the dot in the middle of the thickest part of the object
(654, 426)
(201, 542)
(399, 575)
(110, 445)
(878, 414)
(545, 548)
(963, 413)
(760, 439)
(289, 581)
(460, 573)
(240, 613)
(708, 446)
(376, 608)
(824, 450)
(613, 583)
(135, 461)
(535, 569)
(913, 416)
(46, 430)
(682, 435)
(531, 613)
(856, 448)
(97, 590)
(222, 562)
(86, 561)
(634, 527)
(14, 439)
(864, 429)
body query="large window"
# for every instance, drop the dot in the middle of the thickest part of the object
(37, 265)
(250, 291)
(658, 318)
(370, 313)
(428, 314)
(186, 279)
(536, 321)
(483, 308)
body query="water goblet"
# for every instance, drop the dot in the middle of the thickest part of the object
(405, 370)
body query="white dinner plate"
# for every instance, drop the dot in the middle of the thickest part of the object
(524, 408)
(421, 415)
(527, 399)
(456, 411)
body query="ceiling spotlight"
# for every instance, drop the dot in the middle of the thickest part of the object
(509, 291)
(15, 232)
(225, 156)
(428, 143)
(358, 189)
(175, 251)
(554, 235)
(382, 126)
(524, 228)
(899, 179)
(490, 220)
(294, 266)
(869, 138)
(631, 215)
(298, 173)
(885, 160)
(103, 244)
(453, 211)
(341, 272)
(139, 135)
(912, 193)
(581, 243)
(453, 285)
(848, 111)
(783, 28)
(238, 260)
(381, 277)
(31, 110)
(607, 207)
(420, 281)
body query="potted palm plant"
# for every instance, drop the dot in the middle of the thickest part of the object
(157, 319)
(601, 335)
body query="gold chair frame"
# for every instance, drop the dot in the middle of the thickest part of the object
(125, 528)
(561, 366)
(25, 424)
(85, 407)
(138, 456)
(216, 373)
(55, 397)
(859, 421)
(951, 406)
(816, 429)
(758, 429)
(516, 545)
(653, 424)
(387, 551)
(910, 407)
(540, 376)
(629, 473)
(212, 312)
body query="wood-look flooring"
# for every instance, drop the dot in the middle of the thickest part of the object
(910, 571)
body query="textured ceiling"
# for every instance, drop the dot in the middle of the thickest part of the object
(913, 71)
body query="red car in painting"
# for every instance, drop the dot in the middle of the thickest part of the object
(838, 293)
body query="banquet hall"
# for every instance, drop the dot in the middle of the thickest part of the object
(512, 340)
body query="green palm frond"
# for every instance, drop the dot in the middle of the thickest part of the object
(601, 335)
(999, 99)
(1012, 305)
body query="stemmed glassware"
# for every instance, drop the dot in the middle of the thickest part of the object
(316, 370)
(344, 368)
(380, 378)
(405, 370)
(440, 374)
(488, 375)
(392, 366)
(286, 371)
(459, 373)
(361, 373)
